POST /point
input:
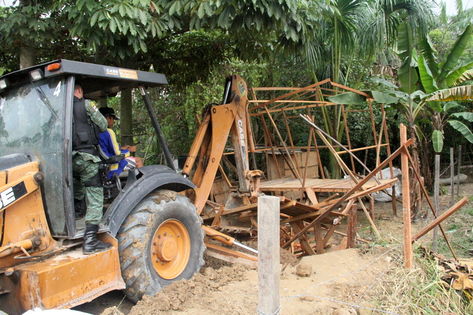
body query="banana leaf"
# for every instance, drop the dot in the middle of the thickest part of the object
(384, 98)
(455, 53)
(426, 77)
(384, 82)
(348, 98)
(466, 76)
(407, 73)
(458, 73)
(428, 52)
(465, 115)
(450, 105)
(458, 93)
(462, 128)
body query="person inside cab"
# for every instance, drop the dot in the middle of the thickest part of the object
(109, 146)
(87, 124)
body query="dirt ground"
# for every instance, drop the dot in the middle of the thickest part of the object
(340, 282)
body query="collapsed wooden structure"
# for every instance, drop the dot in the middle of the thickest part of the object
(275, 143)
(294, 169)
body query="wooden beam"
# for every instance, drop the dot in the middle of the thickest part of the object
(352, 190)
(351, 228)
(305, 245)
(291, 93)
(319, 240)
(370, 220)
(429, 201)
(440, 218)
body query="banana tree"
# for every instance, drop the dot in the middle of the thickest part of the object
(448, 115)
(439, 79)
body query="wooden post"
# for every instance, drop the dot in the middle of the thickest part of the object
(452, 175)
(268, 255)
(406, 201)
(459, 167)
(436, 198)
(351, 228)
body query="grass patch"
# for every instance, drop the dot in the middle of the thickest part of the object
(419, 290)
(460, 234)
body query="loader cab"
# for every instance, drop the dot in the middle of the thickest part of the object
(36, 124)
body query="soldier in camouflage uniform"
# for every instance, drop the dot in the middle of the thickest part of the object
(88, 122)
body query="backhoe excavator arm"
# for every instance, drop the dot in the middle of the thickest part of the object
(220, 122)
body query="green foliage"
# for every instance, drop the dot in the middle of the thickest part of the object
(461, 128)
(348, 98)
(407, 73)
(455, 54)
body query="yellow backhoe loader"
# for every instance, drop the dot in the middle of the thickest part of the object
(155, 230)
(151, 216)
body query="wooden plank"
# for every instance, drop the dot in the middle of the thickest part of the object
(351, 191)
(351, 228)
(429, 201)
(391, 171)
(370, 220)
(231, 259)
(311, 196)
(440, 218)
(309, 216)
(233, 210)
(328, 234)
(216, 220)
(230, 252)
(406, 202)
(303, 238)
(349, 89)
(289, 101)
(347, 133)
(362, 148)
(318, 184)
(319, 241)
(292, 93)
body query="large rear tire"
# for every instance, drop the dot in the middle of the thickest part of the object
(160, 242)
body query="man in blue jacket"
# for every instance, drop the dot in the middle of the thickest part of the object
(109, 144)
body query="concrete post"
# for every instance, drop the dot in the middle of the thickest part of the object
(268, 255)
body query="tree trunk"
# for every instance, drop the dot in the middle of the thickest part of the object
(426, 162)
(126, 118)
(27, 54)
(414, 185)
(26, 57)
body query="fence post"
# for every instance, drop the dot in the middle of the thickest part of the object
(268, 255)
(406, 201)
(436, 198)
(459, 159)
(452, 176)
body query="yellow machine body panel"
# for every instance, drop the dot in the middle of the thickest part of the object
(62, 281)
(35, 269)
(24, 224)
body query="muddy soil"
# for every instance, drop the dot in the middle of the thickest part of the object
(340, 282)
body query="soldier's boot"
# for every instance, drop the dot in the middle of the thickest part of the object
(91, 243)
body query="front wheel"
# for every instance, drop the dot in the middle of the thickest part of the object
(160, 242)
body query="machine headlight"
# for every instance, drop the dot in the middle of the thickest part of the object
(36, 74)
